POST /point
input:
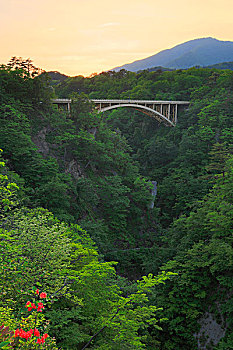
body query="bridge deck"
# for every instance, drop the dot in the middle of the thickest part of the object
(67, 100)
(143, 102)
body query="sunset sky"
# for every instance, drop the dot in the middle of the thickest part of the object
(86, 36)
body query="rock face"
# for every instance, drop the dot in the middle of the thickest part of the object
(74, 169)
(40, 141)
(71, 167)
(210, 332)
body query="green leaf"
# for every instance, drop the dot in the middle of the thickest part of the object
(2, 344)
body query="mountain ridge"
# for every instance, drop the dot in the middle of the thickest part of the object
(196, 52)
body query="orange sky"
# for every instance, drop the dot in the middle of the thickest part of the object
(86, 36)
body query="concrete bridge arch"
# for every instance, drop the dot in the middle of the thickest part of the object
(163, 111)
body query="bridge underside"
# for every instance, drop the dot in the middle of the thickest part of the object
(162, 111)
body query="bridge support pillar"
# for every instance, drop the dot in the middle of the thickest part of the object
(176, 111)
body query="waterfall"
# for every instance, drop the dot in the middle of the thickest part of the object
(153, 193)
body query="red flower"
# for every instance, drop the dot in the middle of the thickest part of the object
(22, 334)
(17, 332)
(40, 307)
(36, 332)
(43, 295)
(40, 340)
(26, 335)
(30, 306)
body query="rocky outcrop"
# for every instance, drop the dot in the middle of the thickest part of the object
(40, 141)
(74, 169)
(210, 333)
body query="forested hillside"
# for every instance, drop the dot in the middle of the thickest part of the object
(77, 221)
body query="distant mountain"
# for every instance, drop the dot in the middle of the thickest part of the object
(197, 52)
(224, 65)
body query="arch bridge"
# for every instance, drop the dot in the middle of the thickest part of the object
(163, 111)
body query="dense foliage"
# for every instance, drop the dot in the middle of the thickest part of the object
(95, 171)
